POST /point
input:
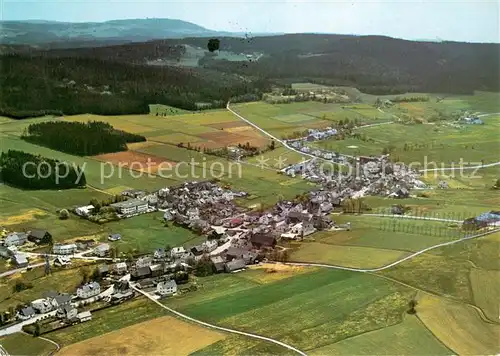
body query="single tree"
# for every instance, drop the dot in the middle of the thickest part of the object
(63, 214)
(213, 44)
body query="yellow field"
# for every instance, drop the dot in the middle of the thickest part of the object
(176, 138)
(486, 290)
(129, 123)
(458, 326)
(139, 145)
(272, 272)
(117, 190)
(161, 336)
(26, 216)
(348, 256)
(208, 117)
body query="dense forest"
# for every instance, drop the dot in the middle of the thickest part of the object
(27, 171)
(33, 85)
(81, 139)
(113, 80)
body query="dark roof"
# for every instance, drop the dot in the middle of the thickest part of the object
(143, 271)
(197, 249)
(62, 298)
(27, 311)
(235, 265)
(236, 251)
(39, 234)
(298, 215)
(263, 239)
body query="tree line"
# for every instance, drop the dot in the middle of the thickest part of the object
(75, 85)
(81, 139)
(28, 171)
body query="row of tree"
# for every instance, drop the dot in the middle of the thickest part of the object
(82, 139)
(28, 171)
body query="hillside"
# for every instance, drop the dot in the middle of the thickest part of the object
(374, 64)
(43, 32)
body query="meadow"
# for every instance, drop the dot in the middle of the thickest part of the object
(24, 344)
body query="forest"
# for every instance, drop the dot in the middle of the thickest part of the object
(81, 139)
(28, 171)
(33, 85)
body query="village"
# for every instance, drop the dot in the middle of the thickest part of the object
(235, 238)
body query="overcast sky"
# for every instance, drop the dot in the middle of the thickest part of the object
(472, 21)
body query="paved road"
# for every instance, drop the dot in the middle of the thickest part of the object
(12, 271)
(19, 326)
(3, 352)
(395, 263)
(412, 217)
(267, 133)
(255, 336)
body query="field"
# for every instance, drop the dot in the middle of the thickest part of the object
(459, 327)
(136, 161)
(307, 310)
(348, 256)
(157, 336)
(27, 345)
(409, 337)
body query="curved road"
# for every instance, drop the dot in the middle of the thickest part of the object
(395, 263)
(255, 336)
(267, 133)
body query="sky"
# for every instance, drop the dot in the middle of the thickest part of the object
(470, 21)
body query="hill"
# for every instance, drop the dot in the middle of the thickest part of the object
(43, 32)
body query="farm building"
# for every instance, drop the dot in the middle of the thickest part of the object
(235, 265)
(101, 250)
(64, 249)
(39, 236)
(166, 288)
(84, 210)
(130, 207)
(15, 239)
(20, 260)
(88, 290)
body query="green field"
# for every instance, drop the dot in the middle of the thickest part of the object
(308, 310)
(409, 337)
(23, 344)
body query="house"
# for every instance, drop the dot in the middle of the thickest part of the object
(156, 270)
(67, 312)
(294, 217)
(88, 290)
(234, 265)
(64, 249)
(263, 241)
(218, 262)
(120, 268)
(210, 245)
(400, 193)
(130, 207)
(141, 272)
(160, 253)
(101, 250)
(144, 261)
(62, 261)
(84, 316)
(84, 244)
(103, 270)
(20, 260)
(39, 236)
(133, 193)
(234, 253)
(4, 252)
(84, 210)
(26, 313)
(58, 299)
(178, 252)
(43, 306)
(114, 237)
(197, 251)
(166, 288)
(146, 283)
(15, 239)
